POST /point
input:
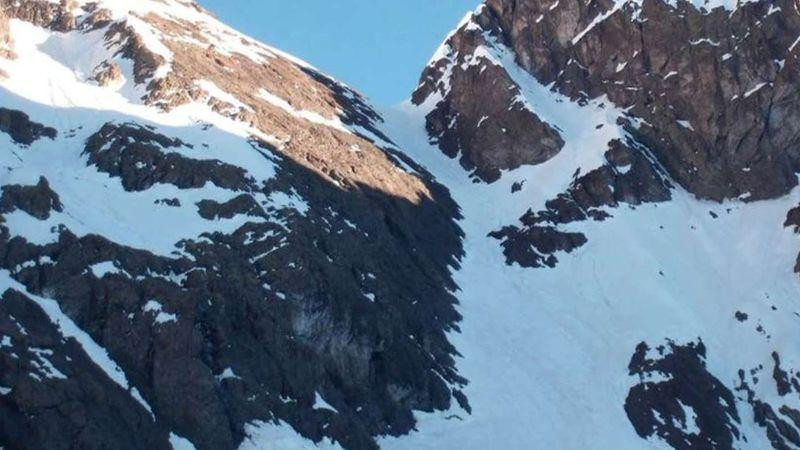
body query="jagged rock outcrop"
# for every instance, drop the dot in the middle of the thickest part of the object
(793, 221)
(716, 92)
(712, 107)
(484, 120)
(6, 40)
(677, 400)
(60, 398)
(55, 15)
(629, 177)
(107, 74)
(22, 129)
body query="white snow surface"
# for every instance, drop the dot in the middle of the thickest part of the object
(269, 436)
(179, 443)
(155, 308)
(546, 350)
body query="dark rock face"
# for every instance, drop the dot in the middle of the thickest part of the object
(484, 120)
(629, 177)
(717, 91)
(780, 376)
(57, 397)
(348, 301)
(793, 220)
(38, 201)
(21, 128)
(678, 401)
(136, 155)
(681, 384)
(780, 422)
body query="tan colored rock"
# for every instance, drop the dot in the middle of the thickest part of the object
(6, 40)
(326, 150)
(108, 74)
(41, 13)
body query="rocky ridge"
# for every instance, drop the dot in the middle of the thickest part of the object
(308, 280)
(711, 107)
(204, 241)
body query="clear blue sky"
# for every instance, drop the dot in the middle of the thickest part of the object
(377, 46)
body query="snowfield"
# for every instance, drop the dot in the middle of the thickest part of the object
(546, 351)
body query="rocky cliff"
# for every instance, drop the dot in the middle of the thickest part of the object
(581, 232)
(214, 246)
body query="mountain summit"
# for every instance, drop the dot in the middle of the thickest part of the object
(580, 232)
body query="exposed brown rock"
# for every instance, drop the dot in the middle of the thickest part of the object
(683, 71)
(483, 121)
(145, 61)
(6, 40)
(56, 16)
(107, 74)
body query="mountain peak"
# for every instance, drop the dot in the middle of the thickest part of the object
(219, 194)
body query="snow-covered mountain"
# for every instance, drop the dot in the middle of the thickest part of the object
(202, 242)
(630, 233)
(580, 232)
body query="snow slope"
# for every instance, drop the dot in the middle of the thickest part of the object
(546, 351)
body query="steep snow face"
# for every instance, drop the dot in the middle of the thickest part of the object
(547, 351)
(669, 326)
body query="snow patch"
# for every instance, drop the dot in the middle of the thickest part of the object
(279, 435)
(162, 317)
(320, 403)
